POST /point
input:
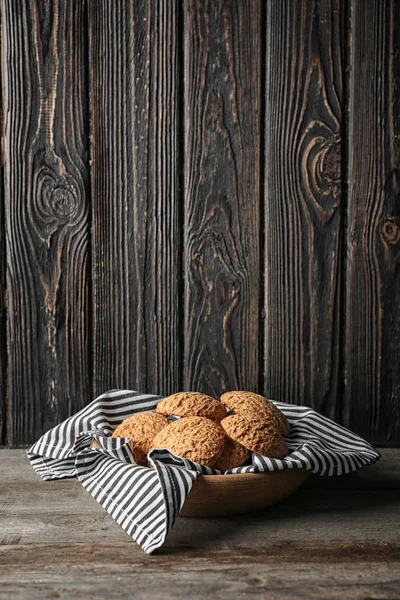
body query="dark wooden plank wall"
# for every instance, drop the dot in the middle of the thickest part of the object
(372, 400)
(135, 200)
(3, 292)
(303, 201)
(222, 101)
(237, 224)
(46, 210)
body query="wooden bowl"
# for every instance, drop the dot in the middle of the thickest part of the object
(222, 495)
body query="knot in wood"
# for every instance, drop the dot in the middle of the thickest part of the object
(331, 163)
(235, 287)
(198, 259)
(391, 230)
(63, 202)
(321, 166)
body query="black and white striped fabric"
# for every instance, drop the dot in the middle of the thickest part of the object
(144, 501)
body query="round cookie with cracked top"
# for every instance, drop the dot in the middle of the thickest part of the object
(249, 403)
(192, 404)
(233, 455)
(196, 438)
(142, 428)
(255, 435)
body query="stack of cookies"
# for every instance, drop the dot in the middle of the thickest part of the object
(205, 433)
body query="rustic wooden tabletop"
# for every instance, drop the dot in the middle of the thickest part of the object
(335, 538)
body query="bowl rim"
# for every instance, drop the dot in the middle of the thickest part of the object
(248, 476)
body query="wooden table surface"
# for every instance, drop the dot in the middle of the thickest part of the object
(335, 538)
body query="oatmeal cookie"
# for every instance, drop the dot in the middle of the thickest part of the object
(142, 428)
(248, 403)
(196, 438)
(192, 404)
(255, 435)
(233, 455)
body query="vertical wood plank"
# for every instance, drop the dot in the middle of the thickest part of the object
(222, 178)
(136, 236)
(303, 137)
(46, 209)
(3, 313)
(372, 391)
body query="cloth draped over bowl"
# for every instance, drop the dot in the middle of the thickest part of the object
(145, 502)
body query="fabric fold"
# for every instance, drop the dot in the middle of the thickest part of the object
(145, 501)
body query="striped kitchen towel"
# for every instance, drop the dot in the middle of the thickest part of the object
(146, 502)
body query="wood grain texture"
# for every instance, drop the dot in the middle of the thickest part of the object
(46, 182)
(136, 230)
(56, 541)
(222, 175)
(372, 377)
(219, 495)
(20, 559)
(3, 296)
(207, 271)
(342, 581)
(303, 137)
